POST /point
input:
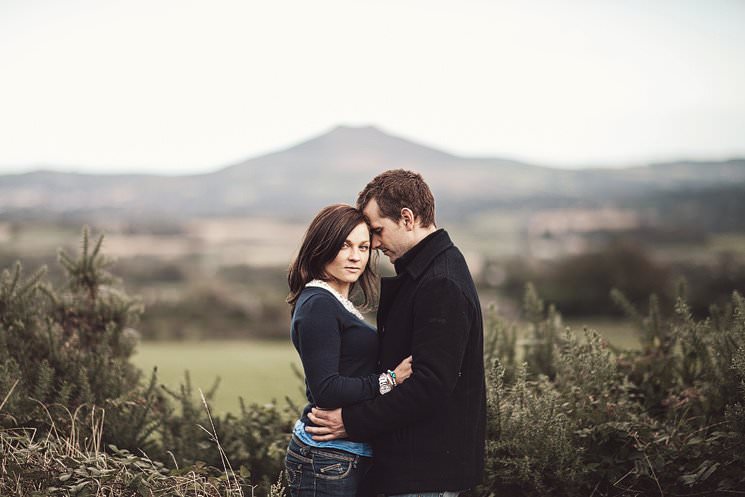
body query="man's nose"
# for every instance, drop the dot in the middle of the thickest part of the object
(376, 242)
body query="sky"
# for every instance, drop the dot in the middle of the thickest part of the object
(178, 87)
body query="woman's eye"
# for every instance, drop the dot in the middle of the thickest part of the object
(364, 248)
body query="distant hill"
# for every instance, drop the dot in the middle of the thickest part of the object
(333, 167)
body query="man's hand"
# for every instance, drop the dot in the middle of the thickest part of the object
(330, 425)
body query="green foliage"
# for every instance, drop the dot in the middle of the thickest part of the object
(69, 349)
(544, 327)
(500, 342)
(575, 418)
(685, 363)
(668, 419)
(735, 413)
(69, 389)
(254, 440)
(529, 443)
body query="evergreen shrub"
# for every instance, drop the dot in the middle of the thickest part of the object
(70, 399)
(580, 418)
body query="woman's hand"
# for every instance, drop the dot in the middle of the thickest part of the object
(403, 370)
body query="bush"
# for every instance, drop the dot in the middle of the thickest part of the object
(67, 351)
(254, 440)
(68, 387)
(579, 418)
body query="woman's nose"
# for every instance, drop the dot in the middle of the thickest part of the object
(355, 254)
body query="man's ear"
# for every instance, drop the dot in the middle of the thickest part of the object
(407, 216)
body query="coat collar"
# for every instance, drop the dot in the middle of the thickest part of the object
(419, 257)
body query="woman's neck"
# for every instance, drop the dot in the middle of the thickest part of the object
(339, 286)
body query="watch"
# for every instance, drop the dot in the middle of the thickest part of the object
(384, 384)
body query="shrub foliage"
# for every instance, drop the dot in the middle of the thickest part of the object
(568, 414)
(579, 418)
(71, 400)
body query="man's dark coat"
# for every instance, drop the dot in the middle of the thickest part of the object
(428, 433)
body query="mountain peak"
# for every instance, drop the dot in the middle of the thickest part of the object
(362, 149)
(346, 128)
(345, 139)
(347, 132)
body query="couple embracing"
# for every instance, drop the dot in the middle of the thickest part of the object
(401, 409)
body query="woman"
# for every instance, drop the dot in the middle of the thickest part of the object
(337, 347)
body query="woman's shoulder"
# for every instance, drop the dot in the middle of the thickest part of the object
(316, 298)
(319, 299)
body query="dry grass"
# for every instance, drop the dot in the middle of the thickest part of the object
(74, 463)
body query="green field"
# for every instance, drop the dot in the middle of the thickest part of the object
(619, 332)
(261, 371)
(256, 371)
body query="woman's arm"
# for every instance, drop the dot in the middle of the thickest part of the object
(318, 331)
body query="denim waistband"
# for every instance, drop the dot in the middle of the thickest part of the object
(337, 453)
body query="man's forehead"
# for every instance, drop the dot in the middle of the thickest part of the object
(375, 220)
(372, 210)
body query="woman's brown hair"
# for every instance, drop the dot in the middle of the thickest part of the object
(321, 244)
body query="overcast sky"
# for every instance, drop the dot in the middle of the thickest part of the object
(187, 86)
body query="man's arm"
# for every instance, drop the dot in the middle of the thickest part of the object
(442, 317)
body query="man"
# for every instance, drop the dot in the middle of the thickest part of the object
(427, 433)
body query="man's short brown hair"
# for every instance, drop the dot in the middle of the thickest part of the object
(396, 189)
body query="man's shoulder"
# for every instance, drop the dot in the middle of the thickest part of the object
(449, 269)
(450, 263)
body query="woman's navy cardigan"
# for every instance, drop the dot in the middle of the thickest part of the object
(338, 350)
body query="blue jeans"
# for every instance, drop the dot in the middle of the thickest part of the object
(323, 472)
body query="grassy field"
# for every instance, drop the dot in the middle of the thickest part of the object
(256, 371)
(261, 371)
(619, 333)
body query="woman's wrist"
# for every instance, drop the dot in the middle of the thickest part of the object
(385, 383)
(392, 375)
